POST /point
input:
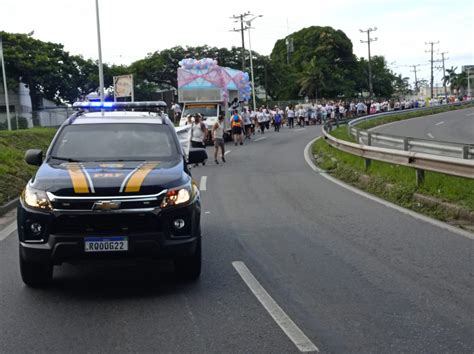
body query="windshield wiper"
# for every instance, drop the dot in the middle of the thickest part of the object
(68, 159)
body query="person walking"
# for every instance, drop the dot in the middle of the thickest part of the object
(278, 117)
(176, 109)
(291, 117)
(261, 120)
(237, 128)
(253, 120)
(268, 117)
(198, 132)
(218, 138)
(247, 123)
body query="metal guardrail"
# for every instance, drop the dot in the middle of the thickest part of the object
(401, 151)
(440, 148)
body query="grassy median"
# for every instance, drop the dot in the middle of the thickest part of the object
(396, 183)
(14, 172)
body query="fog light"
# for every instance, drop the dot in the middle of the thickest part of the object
(179, 224)
(36, 228)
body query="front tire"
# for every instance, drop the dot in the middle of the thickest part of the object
(189, 268)
(35, 275)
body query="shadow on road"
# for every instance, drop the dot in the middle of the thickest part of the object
(95, 281)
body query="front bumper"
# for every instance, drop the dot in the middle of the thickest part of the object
(150, 234)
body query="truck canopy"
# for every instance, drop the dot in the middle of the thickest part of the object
(205, 81)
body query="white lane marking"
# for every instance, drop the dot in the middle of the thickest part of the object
(227, 152)
(439, 123)
(207, 212)
(299, 130)
(203, 185)
(411, 213)
(293, 332)
(7, 231)
(430, 135)
(262, 138)
(470, 114)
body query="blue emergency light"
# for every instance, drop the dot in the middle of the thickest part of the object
(119, 106)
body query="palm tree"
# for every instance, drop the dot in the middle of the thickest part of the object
(450, 77)
(311, 80)
(459, 83)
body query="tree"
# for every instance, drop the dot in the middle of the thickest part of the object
(47, 68)
(333, 52)
(312, 79)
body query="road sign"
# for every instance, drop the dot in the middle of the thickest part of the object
(123, 86)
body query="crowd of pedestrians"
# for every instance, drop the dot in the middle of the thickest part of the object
(248, 122)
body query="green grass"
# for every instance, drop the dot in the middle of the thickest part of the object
(341, 133)
(400, 179)
(402, 116)
(14, 172)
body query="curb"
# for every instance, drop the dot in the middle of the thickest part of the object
(12, 204)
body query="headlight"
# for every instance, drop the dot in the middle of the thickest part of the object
(177, 196)
(36, 199)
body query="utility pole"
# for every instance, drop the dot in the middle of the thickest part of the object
(248, 27)
(7, 104)
(444, 74)
(241, 18)
(432, 61)
(368, 30)
(416, 79)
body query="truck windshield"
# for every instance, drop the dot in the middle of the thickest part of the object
(114, 142)
(206, 110)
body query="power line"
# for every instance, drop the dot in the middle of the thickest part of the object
(431, 61)
(368, 45)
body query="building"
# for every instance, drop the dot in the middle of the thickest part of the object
(21, 109)
(19, 103)
(425, 91)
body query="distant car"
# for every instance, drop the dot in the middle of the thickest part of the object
(112, 185)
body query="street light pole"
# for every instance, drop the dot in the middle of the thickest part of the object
(101, 70)
(7, 103)
(249, 24)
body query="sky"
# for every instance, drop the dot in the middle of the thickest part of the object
(132, 29)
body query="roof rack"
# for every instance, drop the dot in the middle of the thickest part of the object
(120, 106)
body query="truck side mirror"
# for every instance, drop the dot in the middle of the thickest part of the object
(34, 157)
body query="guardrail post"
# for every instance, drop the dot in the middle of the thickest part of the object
(357, 136)
(420, 177)
(465, 152)
(369, 138)
(348, 130)
(405, 144)
(367, 163)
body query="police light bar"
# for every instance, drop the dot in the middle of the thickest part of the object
(151, 105)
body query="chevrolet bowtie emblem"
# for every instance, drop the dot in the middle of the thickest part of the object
(106, 205)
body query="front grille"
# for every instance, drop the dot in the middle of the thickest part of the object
(89, 204)
(106, 224)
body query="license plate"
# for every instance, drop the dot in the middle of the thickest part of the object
(105, 244)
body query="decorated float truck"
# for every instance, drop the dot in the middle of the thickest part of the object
(209, 89)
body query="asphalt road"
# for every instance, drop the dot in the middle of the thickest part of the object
(454, 126)
(353, 275)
